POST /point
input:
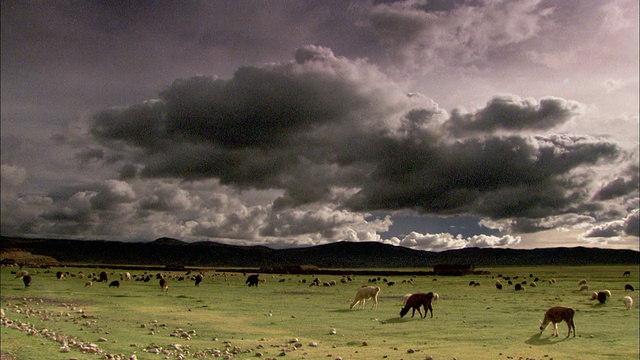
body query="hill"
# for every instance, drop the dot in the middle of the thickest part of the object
(175, 253)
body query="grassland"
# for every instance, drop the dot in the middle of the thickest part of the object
(286, 318)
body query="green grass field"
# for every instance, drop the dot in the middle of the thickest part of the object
(288, 319)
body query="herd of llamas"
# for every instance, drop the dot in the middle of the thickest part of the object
(554, 315)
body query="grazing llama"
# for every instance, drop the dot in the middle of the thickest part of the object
(556, 315)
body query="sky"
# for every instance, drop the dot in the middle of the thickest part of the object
(433, 125)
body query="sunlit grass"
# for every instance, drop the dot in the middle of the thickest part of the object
(223, 313)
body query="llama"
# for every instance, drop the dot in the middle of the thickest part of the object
(558, 314)
(164, 285)
(21, 273)
(519, 287)
(198, 279)
(602, 297)
(628, 302)
(364, 293)
(415, 301)
(405, 298)
(253, 280)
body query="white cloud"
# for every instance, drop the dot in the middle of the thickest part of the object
(446, 241)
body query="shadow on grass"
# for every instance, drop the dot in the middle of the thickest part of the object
(538, 339)
(397, 320)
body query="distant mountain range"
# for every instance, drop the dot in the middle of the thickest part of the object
(352, 255)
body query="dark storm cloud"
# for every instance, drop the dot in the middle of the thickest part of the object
(613, 230)
(512, 114)
(325, 129)
(623, 185)
(496, 176)
(632, 224)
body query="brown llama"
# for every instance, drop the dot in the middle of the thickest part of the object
(164, 285)
(558, 314)
(415, 301)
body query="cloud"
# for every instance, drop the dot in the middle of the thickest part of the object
(627, 183)
(484, 241)
(512, 114)
(333, 139)
(323, 223)
(459, 34)
(302, 150)
(168, 197)
(632, 224)
(327, 130)
(446, 241)
(111, 193)
(532, 225)
(612, 230)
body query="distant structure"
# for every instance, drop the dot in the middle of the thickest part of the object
(453, 269)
